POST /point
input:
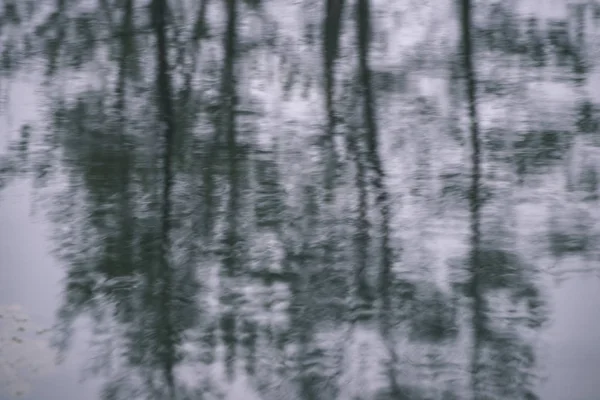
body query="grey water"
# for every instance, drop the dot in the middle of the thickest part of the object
(267, 199)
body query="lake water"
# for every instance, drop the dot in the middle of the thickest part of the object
(271, 263)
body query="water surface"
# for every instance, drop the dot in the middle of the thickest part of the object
(362, 199)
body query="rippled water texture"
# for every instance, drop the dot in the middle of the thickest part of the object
(299, 200)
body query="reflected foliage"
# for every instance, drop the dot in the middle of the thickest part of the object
(270, 195)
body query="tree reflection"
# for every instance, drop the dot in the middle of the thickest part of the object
(353, 239)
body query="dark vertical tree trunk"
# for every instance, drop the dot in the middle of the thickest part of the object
(198, 35)
(166, 119)
(364, 295)
(474, 198)
(207, 169)
(126, 217)
(126, 30)
(54, 51)
(331, 37)
(303, 303)
(194, 49)
(227, 123)
(363, 15)
(382, 197)
(200, 25)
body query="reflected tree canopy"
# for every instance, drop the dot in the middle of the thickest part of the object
(320, 200)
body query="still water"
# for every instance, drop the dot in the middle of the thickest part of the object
(364, 199)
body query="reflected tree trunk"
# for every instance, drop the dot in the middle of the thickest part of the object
(165, 331)
(303, 303)
(364, 296)
(474, 199)
(227, 125)
(332, 24)
(126, 218)
(363, 15)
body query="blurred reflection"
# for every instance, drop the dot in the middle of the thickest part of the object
(233, 203)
